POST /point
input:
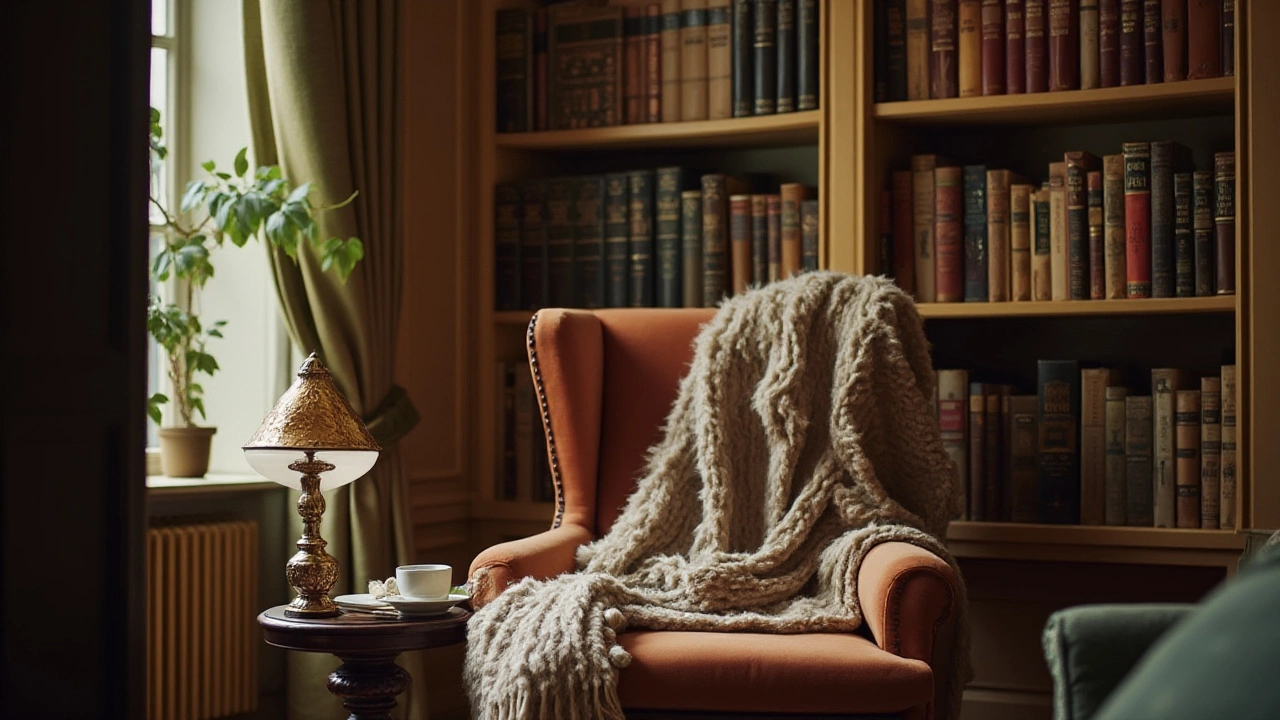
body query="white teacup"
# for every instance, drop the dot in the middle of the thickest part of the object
(429, 582)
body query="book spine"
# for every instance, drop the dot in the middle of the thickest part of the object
(1059, 475)
(1224, 220)
(541, 91)
(1097, 248)
(1137, 218)
(1227, 486)
(975, 233)
(1188, 458)
(560, 221)
(719, 61)
(977, 452)
(533, 247)
(1132, 53)
(743, 54)
(1116, 482)
(943, 69)
(653, 63)
(759, 240)
(512, 80)
(1015, 47)
(1210, 452)
(1108, 43)
(969, 40)
(773, 212)
(1113, 226)
(807, 56)
(1184, 247)
(671, 61)
(1058, 256)
(764, 49)
(506, 247)
(617, 229)
(1202, 260)
(640, 240)
(918, 49)
(1078, 166)
(1024, 466)
(588, 241)
(786, 101)
(1036, 46)
(1020, 241)
(1164, 387)
(1093, 444)
(693, 60)
(715, 221)
(1137, 461)
(634, 65)
(998, 264)
(1064, 44)
(1090, 28)
(691, 248)
(1041, 272)
(993, 493)
(809, 259)
(793, 194)
(1203, 38)
(904, 257)
(993, 66)
(1228, 37)
(1162, 170)
(953, 403)
(947, 220)
(668, 232)
(895, 12)
(1152, 52)
(740, 243)
(922, 167)
(884, 218)
(1173, 38)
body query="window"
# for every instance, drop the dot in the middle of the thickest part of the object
(163, 92)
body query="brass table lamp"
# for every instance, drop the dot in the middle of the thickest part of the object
(312, 441)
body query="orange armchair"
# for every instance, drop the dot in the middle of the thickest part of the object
(605, 382)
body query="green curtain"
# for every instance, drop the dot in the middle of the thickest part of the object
(324, 96)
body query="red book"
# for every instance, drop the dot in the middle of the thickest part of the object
(1109, 43)
(948, 218)
(1137, 218)
(1204, 39)
(1152, 33)
(904, 254)
(1015, 53)
(1131, 49)
(993, 69)
(1035, 44)
(653, 63)
(1064, 45)
(1173, 37)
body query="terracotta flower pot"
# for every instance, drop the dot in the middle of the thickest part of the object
(184, 451)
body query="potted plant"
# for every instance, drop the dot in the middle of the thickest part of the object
(238, 206)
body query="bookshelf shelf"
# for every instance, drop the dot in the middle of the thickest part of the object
(1214, 96)
(1094, 536)
(1068, 308)
(798, 128)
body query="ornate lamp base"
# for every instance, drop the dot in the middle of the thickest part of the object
(312, 571)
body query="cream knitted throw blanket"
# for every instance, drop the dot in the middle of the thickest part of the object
(802, 436)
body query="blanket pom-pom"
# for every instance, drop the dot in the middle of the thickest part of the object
(619, 657)
(614, 618)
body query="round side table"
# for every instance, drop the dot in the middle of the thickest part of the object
(368, 680)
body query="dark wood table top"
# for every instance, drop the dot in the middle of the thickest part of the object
(355, 633)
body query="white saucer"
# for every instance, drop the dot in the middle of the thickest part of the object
(422, 606)
(361, 601)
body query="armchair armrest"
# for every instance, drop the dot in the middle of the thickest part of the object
(1091, 648)
(540, 556)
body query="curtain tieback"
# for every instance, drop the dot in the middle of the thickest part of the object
(394, 417)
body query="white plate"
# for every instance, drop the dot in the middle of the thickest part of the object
(361, 601)
(420, 606)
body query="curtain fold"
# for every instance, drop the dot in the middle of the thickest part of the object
(324, 95)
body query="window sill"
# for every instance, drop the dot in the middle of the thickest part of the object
(213, 483)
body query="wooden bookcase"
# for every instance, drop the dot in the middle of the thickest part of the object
(1016, 573)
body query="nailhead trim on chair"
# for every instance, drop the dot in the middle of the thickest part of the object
(546, 422)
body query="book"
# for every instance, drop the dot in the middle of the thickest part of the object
(640, 241)
(1184, 249)
(918, 49)
(1152, 34)
(513, 70)
(807, 90)
(693, 60)
(584, 66)
(617, 238)
(1166, 159)
(884, 227)
(1015, 48)
(922, 167)
(1024, 451)
(1059, 264)
(691, 248)
(1020, 241)
(740, 243)
(977, 452)
(541, 90)
(993, 65)
(793, 194)
(652, 63)
(773, 215)
(993, 434)
(1090, 25)
(1058, 420)
(1210, 452)
(1116, 467)
(1187, 438)
(975, 233)
(759, 239)
(786, 62)
(1064, 45)
(559, 227)
(1132, 52)
(533, 246)
(764, 56)
(1041, 274)
(949, 235)
(672, 60)
(904, 256)
(668, 236)
(1203, 38)
(1036, 45)
(1138, 461)
(1108, 43)
(998, 264)
(1224, 221)
(719, 61)
(1093, 443)
(943, 60)
(895, 19)
(1079, 165)
(716, 190)
(588, 241)
(953, 403)
(969, 54)
(1165, 383)
(743, 58)
(1173, 38)
(1228, 37)
(809, 258)
(1113, 228)
(633, 84)
(1202, 259)
(507, 268)
(1227, 454)
(1137, 219)
(1097, 250)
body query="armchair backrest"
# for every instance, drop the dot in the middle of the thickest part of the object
(606, 380)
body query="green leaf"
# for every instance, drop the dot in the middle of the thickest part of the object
(208, 165)
(242, 162)
(197, 404)
(153, 406)
(299, 193)
(155, 116)
(224, 175)
(194, 195)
